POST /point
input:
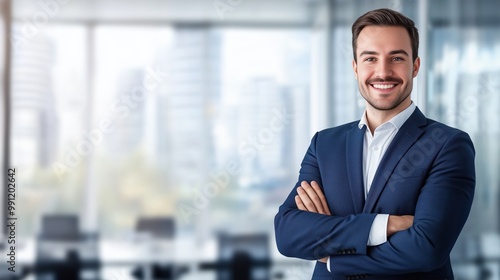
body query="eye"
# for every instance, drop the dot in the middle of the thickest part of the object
(397, 58)
(370, 59)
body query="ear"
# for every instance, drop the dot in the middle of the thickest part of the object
(416, 67)
(355, 68)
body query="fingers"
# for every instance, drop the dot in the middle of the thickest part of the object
(311, 198)
(305, 198)
(299, 203)
(322, 198)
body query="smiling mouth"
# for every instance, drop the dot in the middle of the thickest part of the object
(383, 86)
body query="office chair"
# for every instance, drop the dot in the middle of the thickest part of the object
(60, 228)
(159, 229)
(58, 254)
(243, 257)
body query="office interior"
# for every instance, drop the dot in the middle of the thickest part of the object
(155, 139)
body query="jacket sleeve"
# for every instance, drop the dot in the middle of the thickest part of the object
(441, 211)
(311, 236)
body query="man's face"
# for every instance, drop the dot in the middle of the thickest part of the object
(384, 67)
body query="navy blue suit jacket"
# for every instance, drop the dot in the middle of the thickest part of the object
(427, 171)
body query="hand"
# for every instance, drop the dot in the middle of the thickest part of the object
(310, 198)
(398, 223)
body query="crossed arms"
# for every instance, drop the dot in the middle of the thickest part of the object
(306, 229)
(310, 198)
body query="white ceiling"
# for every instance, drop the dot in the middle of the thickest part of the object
(280, 12)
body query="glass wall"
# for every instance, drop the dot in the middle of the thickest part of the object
(49, 114)
(463, 92)
(117, 122)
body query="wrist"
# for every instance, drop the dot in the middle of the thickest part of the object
(398, 223)
(389, 226)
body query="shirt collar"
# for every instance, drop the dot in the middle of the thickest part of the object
(397, 120)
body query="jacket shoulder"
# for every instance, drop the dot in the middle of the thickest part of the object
(337, 130)
(433, 124)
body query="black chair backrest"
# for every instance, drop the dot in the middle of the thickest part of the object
(158, 227)
(256, 245)
(243, 257)
(60, 228)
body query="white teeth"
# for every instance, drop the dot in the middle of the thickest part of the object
(383, 86)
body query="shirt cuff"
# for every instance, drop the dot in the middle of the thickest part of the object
(378, 231)
(328, 264)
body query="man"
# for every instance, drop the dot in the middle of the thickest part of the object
(387, 196)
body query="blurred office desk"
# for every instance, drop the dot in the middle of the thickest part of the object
(201, 258)
(181, 253)
(115, 256)
(479, 259)
(55, 259)
(180, 250)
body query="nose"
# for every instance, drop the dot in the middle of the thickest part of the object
(383, 69)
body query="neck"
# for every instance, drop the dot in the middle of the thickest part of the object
(376, 117)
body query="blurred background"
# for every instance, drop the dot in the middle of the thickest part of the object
(156, 139)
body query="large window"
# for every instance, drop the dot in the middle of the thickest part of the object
(49, 111)
(464, 93)
(117, 122)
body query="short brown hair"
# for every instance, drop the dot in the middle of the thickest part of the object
(385, 17)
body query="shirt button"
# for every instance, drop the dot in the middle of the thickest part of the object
(375, 148)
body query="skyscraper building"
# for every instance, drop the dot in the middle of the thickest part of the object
(34, 120)
(129, 132)
(187, 104)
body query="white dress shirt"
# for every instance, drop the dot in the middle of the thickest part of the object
(374, 148)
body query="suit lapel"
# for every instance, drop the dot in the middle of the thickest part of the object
(354, 156)
(404, 139)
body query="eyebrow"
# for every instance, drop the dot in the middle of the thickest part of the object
(390, 53)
